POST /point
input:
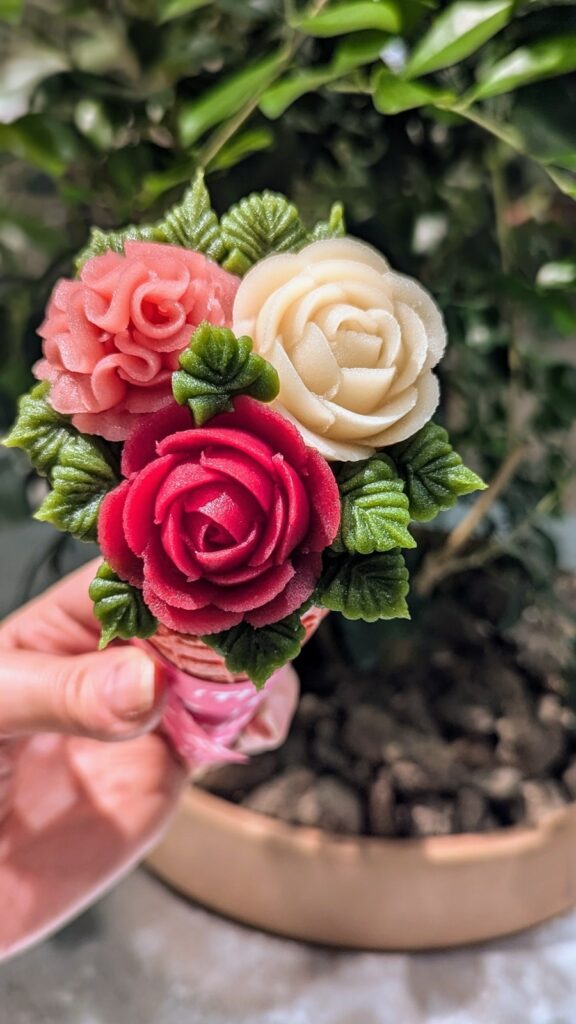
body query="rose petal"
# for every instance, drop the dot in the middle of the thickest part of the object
(187, 480)
(198, 623)
(188, 442)
(325, 506)
(273, 530)
(227, 559)
(307, 569)
(241, 466)
(140, 511)
(428, 396)
(140, 447)
(176, 546)
(253, 416)
(265, 588)
(298, 509)
(112, 539)
(169, 584)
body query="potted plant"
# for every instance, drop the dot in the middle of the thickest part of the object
(445, 128)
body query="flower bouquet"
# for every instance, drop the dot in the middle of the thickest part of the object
(238, 411)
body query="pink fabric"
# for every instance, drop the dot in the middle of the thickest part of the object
(113, 337)
(223, 523)
(211, 723)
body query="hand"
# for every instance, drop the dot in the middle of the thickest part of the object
(77, 812)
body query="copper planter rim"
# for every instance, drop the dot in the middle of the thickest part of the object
(368, 892)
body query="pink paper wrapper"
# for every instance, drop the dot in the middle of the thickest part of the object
(213, 716)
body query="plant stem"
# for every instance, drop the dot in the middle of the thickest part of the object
(443, 562)
(510, 138)
(492, 550)
(225, 132)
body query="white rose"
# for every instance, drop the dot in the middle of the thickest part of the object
(353, 342)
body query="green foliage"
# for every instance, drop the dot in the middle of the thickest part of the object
(192, 224)
(393, 95)
(375, 511)
(80, 480)
(457, 32)
(334, 227)
(226, 98)
(545, 58)
(119, 608)
(259, 225)
(367, 587)
(434, 474)
(349, 55)
(351, 17)
(106, 241)
(78, 467)
(215, 367)
(257, 653)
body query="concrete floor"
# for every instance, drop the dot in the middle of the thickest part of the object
(144, 955)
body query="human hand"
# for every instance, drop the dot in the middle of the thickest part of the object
(77, 812)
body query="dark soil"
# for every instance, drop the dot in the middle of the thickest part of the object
(457, 722)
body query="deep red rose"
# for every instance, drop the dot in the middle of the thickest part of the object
(112, 338)
(221, 523)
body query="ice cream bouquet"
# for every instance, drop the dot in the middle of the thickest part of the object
(239, 412)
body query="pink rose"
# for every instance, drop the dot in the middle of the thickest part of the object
(221, 523)
(113, 337)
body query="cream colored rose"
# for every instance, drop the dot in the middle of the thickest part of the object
(353, 342)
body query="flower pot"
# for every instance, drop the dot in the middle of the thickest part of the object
(368, 893)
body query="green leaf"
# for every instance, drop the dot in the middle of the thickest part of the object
(10, 10)
(77, 466)
(460, 30)
(392, 95)
(79, 483)
(559, 274)
(119, 607)
(227, 98)
(104, 241)
(351, 17)
(41, 141)
(170, 9)
(193, 223)
(45, 435)
(545, 58)
(258, 653)
(368, 587)
(39, 430)
(434, 474)
(375, 511)
(350, 54)
(334, 227)
(242, 146)
(215, 367)
(259, 225)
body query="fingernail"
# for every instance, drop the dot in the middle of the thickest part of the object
(134, 690)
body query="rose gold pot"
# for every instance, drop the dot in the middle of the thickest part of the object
(368, 893)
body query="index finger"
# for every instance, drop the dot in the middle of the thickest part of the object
(59, 621)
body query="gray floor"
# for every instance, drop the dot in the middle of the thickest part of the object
(143, 955)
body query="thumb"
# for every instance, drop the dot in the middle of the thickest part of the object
(110, 695)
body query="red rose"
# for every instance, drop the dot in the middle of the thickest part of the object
(222, 523)
(113, 337)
